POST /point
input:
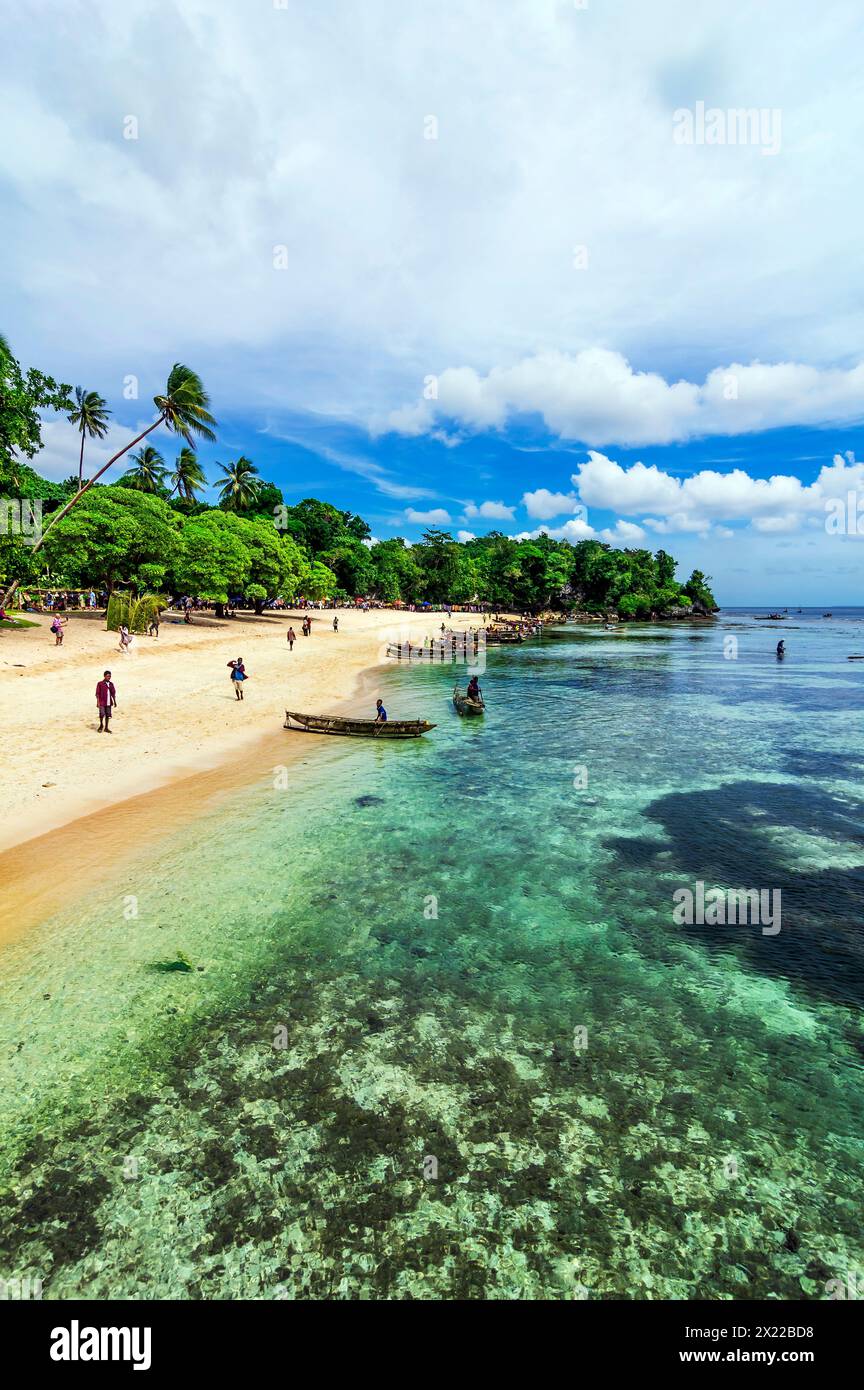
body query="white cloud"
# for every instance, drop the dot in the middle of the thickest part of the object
(777, 504)
(572, 531)
(464, 536)
(61, 444)
(598, 397)
(489, 511)
(436, 517)
(623, 533)
(543, 504)
(404, 255)
(375, 473)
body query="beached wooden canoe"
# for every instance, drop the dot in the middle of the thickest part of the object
(464, 705)
(355, 728)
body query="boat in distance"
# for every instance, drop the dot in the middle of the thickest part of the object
(355, 728)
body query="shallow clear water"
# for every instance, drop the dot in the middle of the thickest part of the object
(375, 1082)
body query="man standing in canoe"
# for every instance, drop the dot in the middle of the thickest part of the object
(106, 700)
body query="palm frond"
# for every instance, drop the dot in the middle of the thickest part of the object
(185, 405)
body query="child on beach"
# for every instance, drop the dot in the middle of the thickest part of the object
(57, 627)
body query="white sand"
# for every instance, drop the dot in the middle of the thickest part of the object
(176, 710)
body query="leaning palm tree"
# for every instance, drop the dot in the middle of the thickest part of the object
(149, 471)
(241, 485)
(188, 477)
(91, 416)
(184, 408)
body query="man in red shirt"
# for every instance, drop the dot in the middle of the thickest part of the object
(106, 699)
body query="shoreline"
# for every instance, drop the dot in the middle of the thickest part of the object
(177, 717)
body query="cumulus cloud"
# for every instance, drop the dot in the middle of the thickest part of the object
(597, 396)
(489, 511)
(61, 443)
(573, 531)
(777, 504)
(623, 533)
(403, 255)
(542, 505)
(464, 536)
(436, 517)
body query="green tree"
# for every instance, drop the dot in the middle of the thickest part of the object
(183, 407)
(213, 560)
(440, 559)
(697, 591)
(396, 576)
(321, 582)
(149, 471)
(241, 485)
(188, 477)
(351, 563)
(117, 537)
(266, 562)
(666, 567)
(91, 416)
(23, 397)
(268, 501)
(320, 526)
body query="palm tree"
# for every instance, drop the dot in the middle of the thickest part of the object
(184, 408)
(91, 416)
(188, 477)
(241, 485)
(149, 472)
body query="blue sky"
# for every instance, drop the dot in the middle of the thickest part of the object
(462, 262)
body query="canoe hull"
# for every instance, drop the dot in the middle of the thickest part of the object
(464, 705)
(355, 728)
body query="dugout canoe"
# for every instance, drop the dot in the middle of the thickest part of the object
(464, 705)
(355, 728)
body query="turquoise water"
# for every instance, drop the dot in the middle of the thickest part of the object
(441, 1037)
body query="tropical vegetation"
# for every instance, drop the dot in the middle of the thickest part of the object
(150, 532)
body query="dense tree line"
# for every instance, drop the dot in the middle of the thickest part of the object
(120, 536)
(150, 530)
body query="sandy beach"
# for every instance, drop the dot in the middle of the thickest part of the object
(176, 711)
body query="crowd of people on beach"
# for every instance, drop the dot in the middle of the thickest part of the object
(61, 600)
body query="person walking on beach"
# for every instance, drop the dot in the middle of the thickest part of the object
(153, 629)
(336, 624)
(57, 627)
(292, 638)
(106, 700)
(238, 676)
